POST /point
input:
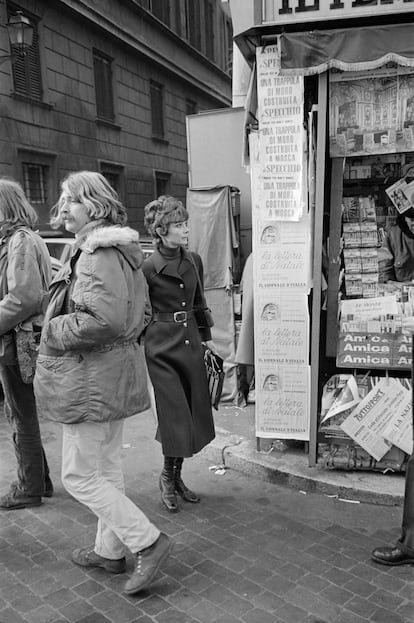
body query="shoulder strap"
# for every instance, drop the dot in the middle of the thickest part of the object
(45, 275)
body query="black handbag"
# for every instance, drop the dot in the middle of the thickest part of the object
(204, 317)
(215, 376)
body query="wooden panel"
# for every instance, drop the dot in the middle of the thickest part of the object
(317, 263)
(334, 255)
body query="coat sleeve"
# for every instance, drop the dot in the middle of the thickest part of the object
(386, 259)
(25, 289)
(199, 298)
(148, 307)
(100, 296)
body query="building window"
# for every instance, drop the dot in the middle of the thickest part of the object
(102, 66)
(114, 173)
(39, 180)
(193, 23)
(34, 183)
(209, 22)
(113, 179)
(157, 109)
(190, 107)
(162, 183)
(27, 79)
(161, 9)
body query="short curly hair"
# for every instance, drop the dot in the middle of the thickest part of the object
(158, 214)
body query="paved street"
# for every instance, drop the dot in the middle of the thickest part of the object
(250, 551)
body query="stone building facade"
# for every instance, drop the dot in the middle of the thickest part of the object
(107, 86)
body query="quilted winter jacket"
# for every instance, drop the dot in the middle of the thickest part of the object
(90, 365)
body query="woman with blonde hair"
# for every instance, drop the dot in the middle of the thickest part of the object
(173, 346)
(25, 273)
(91, 372)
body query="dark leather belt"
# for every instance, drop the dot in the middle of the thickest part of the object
(178, 316)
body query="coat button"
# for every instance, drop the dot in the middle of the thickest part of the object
(181, 285)
(186, 341)
(183, 304)
(184, 324)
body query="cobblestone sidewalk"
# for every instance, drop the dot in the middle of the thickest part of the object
(250, 552)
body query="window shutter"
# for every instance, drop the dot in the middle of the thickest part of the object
(27, 78)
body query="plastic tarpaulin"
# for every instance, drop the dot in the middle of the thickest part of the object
(352, 49)
(212, 235)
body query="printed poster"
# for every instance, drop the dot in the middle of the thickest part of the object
(283, 253)
(281, 139)
(282, 401)
(281, 257)
(372, 115)
(283, 328)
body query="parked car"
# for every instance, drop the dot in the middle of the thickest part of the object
(146, 246)
(58, 247)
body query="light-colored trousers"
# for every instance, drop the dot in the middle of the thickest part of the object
(92, 474)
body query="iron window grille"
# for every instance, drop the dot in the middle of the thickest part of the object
(34, 183)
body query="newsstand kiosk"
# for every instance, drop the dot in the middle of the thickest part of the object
(331, 156)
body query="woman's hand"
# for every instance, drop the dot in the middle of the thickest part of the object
(211, 346)
(408, 324)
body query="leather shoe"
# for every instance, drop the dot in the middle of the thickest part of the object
(391, 556)
(48, 489)
(87, 557)
(184, 492)
(16, 499)
(148, 561)
(47, 492)
(168, 497)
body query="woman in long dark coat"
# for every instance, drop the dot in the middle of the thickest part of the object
(173, 346)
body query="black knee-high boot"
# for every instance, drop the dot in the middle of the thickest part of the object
(180, 488)
(167, 485)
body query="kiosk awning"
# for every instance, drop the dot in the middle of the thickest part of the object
(352, 49)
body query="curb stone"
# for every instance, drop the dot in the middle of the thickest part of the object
(291, 469)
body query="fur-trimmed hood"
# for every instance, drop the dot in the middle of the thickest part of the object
(125, 239)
